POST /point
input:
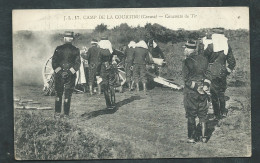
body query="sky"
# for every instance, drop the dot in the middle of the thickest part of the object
(191, 18)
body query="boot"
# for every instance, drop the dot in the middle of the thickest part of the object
(91, 90)
(58, 101)
(191, 130)
(129, 86)
(137, 87)
(203, 131)
(144, 87)
(67, 106)
(99, 89)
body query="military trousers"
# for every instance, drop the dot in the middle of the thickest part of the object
(108, 81)
(129, 72)
(66, 86)
(139, 73)
(217, 90)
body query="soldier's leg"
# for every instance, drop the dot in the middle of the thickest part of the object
(128, 75)
(136, 76)
(221, 94)
(222, 101)
(215, 103)
(67, 101)
(202, 114)
(190, 109)
(143, 76)
(69, 88)
(59, 88)
(91, 80)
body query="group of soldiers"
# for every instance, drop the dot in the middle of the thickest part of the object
(205, 68)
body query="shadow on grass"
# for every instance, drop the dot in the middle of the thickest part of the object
(104, 111)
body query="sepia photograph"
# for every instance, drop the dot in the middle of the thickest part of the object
(131, 83)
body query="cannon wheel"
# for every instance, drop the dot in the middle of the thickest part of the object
(48, 78)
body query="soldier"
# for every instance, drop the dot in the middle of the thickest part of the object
(218, 54)
(107, 72)
(92, 57)
(156, 52)
(141, 58)
(196, 81)
(129, 52)
(65, 63)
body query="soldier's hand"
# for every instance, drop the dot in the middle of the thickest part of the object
(200, 90)
(206, 89)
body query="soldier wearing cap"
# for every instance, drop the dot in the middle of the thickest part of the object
(92, 56)
(197, 81)
(221, 63)
(65, 62)
(129, 52)
(141, 58)
(107, 71)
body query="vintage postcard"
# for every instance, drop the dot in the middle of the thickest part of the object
(131, 83)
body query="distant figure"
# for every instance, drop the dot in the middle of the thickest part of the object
(107, 72)
(196, 89)
(65, 62)
(141, 58)
(129, 52)
(222, 63)
(93, 58)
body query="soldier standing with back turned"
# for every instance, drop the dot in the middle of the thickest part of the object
(221, 63)
(197, 81)
(93, 59)
(129, 52)
(107, 72)
(65, 62)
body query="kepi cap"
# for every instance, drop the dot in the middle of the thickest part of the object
(68, 34)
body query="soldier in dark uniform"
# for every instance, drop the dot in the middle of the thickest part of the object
(92, 56)
(107, 72)
(218, 54)
(65, 63)
(141, 58)
(129, 52)
(196, 80)
(156, 52)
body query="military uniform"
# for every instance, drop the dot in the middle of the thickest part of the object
(65, 62)
(217, 65)
(129, 52)
(195, 76)
(107, 73)
(141, 58)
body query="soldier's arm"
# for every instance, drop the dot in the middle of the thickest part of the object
(208, 50)
(230, 60)
(186, 76)
(77, 63)
(161, 53)
(99, 61)
(147, 58)
(55, 61)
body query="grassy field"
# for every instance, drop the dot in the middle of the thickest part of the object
(142, 126)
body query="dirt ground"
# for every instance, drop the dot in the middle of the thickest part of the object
(155, 124)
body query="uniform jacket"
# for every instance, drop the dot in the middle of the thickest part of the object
(157, 52)
(217, 61)
(129, 52)
(92, 55)
(66, 57)
(141, 56)
(195, 71)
